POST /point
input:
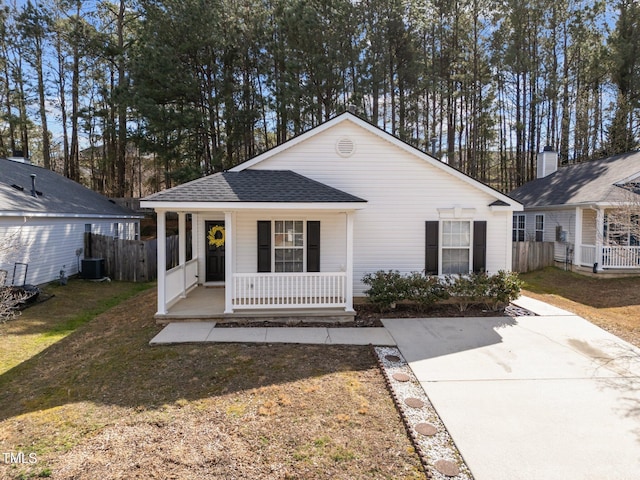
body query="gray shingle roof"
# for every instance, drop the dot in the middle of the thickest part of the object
(588, 182)
(254, 186)
(59, 195)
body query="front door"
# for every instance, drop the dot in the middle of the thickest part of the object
(214, 240)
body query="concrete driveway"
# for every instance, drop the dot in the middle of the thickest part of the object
(546, 397)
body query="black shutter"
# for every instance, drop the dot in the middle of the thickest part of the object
(264, 245)
(313, 246)
(479, 246)
(431, 252)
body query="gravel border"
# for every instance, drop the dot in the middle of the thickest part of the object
(436, 449)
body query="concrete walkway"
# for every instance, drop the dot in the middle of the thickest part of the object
(547, 397)
(186, 332)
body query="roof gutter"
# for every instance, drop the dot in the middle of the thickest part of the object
(65, 215)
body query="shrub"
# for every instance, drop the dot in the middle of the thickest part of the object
(385, 288)
(495, 291)
(424, 290)
(463, 290)
(503, 288)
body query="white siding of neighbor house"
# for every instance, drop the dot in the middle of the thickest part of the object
(403, 192)
(552, 219)
(589, 228)
(48, 245)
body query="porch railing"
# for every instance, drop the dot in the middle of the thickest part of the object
(620, 257)
(587, 255)
(612, 256)
(289, 290)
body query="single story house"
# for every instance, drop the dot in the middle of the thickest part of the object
(591, 210)
(300, 225)
(43, 219)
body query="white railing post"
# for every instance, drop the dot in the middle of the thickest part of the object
(182, 250)
(600, 240)
(348, 286)
(229, 286)
(162, 261)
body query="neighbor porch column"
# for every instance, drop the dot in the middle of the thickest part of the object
(349, 270)
(228, 262)
(577, 248)
(600, 240)
(162, 261)
(182, 250)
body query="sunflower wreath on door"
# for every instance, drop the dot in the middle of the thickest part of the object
(216, 236)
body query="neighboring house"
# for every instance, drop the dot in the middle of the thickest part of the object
(43, 218)
(301, 224)
(590, 210)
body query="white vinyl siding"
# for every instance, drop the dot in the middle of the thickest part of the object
(589, 230)
(333, 256)
(402, 192)
(48, 245)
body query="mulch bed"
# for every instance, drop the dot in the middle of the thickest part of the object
(368, 315)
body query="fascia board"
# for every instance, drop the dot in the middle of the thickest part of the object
(235, 206)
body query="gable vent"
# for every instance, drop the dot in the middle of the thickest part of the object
(345, 147)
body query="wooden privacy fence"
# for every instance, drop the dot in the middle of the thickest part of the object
(129, 260)
(529, 256)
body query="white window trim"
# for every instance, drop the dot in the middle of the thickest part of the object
(518, 216)
(273, 242)
(535, 227)
(442, 247)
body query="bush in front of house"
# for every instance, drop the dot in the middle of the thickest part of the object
(466, 290)
(387, 288)
(424, 290)
(504, 287)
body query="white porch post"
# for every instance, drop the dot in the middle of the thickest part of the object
(349, 270)
(600, 240)
(162, 261)
(182, 250)
(577, 247)
(228, 262)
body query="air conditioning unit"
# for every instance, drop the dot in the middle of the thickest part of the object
(93, 268)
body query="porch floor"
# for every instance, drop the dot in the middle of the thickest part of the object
(207, 303)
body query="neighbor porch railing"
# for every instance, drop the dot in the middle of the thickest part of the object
(620, 257)
(612, 256)
(289, 290)
(587, 255)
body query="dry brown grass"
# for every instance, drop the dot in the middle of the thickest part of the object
(101, 403)
(611, 303)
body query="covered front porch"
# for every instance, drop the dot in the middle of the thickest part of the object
(607, 239)
(208, 303)
(273, 240)
(188, 291)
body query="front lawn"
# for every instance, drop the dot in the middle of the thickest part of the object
(611, 303)
(101, 403)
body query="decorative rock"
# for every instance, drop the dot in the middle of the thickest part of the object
(447, 468)
(401, 377)
(426, 429)
(414, 402)
(392, 358)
